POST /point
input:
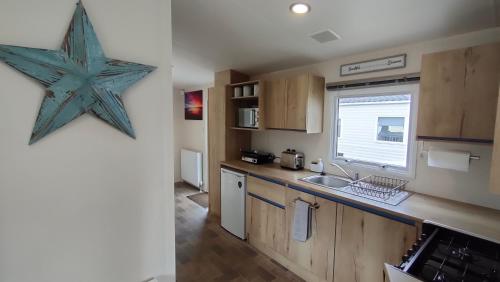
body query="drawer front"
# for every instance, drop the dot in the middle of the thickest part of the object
(266, 190)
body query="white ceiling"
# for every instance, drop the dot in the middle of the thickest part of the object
(256, 36)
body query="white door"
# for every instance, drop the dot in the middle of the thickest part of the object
(233, 190)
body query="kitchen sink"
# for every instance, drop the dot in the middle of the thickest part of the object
(342, 184)
(328, 181)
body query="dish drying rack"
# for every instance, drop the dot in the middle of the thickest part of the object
(378, 186)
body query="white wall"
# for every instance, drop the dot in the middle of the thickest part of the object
(190, 134)
(88, 203)
(469, 187)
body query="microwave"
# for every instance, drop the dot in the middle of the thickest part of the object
(248, 117)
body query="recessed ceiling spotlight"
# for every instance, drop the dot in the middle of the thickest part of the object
(300, 8)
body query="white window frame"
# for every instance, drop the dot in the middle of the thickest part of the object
(372, 167)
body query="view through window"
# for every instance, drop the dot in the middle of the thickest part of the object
(374, 129)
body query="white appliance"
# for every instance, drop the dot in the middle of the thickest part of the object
(248, 117)
(233, 191)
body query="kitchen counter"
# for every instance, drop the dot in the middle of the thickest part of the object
(479, 221)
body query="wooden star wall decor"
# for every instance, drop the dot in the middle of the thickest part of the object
(78, 78)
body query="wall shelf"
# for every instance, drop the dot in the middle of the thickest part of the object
(235, 103)
(245, 128)
(245, 83)
(245, 98)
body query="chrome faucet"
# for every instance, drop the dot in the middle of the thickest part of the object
(353, 178)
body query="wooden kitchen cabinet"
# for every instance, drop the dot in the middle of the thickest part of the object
(265, 215)
(458, 94)
(266, 226)
(296, 103)
(223, 142)
(297, 96)
(365, 241)
(495, 163)
(346, 244)
(316, 255)
(275, 114)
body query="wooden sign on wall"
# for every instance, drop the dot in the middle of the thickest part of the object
(381, 64)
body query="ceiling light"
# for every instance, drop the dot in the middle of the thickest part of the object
(300, 8)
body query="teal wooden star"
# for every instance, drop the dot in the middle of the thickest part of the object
(78, 78)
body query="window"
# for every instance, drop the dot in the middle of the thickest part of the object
(374, 127)
(339, 127)
(391, 129)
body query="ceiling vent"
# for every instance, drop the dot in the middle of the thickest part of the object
(325, 36)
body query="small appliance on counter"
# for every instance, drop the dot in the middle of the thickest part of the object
(317, 166)
(248, 117)
(292, 159)
(257, 157)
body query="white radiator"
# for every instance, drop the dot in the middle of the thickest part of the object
(192, 168)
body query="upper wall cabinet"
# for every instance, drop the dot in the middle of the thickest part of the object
(458, 94)
(295, 103)
(275, 103)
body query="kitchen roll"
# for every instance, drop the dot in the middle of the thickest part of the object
(455, 160)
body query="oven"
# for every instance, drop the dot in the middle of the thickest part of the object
(446, 254)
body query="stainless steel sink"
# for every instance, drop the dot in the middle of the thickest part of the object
(328, 181)
(342, 184)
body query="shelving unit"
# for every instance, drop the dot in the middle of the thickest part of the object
(223, 142)
(235, 103)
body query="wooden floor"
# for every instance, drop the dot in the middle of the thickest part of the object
(206, 252)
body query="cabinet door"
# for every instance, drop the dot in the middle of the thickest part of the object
(364, 242)
(316, 255)
(267, 190)
(296, 102)
(265, 225)
(266, 214)
(495, 163)
(458, 94)
(275, 104)
(481, 89)
(440, 108)
(315, 104)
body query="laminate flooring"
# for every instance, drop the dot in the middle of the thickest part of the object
(206, 252)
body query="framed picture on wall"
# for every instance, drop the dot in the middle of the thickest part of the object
(193, 105)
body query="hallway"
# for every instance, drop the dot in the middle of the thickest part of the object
(206, 252)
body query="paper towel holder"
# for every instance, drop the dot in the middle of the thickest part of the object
(472, 157)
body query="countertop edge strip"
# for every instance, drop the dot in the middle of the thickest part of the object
(266, 200)
(353, 205)
(268, 179)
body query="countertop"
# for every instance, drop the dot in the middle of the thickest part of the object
(479, 221)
